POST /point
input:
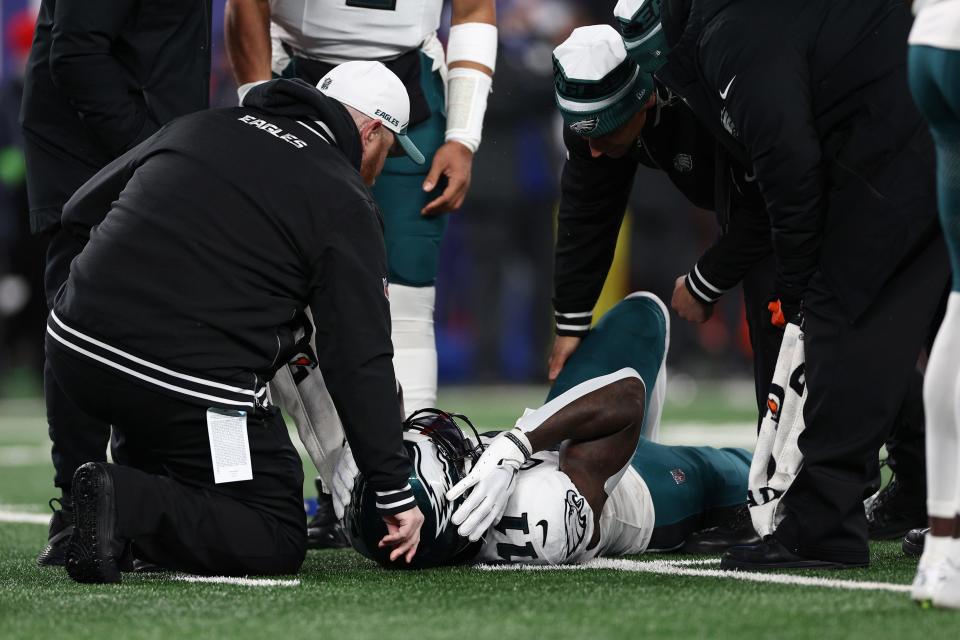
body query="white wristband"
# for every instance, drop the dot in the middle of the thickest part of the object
(467, 91)
(473, 42)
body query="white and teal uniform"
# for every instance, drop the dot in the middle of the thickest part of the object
(663, 494)
(328, 32)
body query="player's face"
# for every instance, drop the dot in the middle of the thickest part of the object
(377, 142)
(620, 142)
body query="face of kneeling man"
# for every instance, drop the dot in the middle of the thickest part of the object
(378, 103)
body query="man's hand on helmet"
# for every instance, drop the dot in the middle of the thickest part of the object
(493, 479)
(403, 534)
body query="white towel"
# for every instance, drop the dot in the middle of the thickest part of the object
(777, 459)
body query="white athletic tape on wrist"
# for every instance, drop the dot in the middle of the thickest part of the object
(533, 419)
(467, 91)
(244, 89)
(473, 42)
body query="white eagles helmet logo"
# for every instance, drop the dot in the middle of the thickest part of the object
(585, 126)
(576, 522)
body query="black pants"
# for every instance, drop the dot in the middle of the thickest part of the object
(764, 337)
(76, 436)
(167, 502)
(905, 439)
(858, 376)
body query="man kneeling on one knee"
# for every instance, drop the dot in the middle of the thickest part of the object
(204, 246)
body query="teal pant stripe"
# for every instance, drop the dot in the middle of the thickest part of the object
(935, 84)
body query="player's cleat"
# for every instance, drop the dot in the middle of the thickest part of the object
(95, 550)
(772, 554)
(737, 531)
(947, 595)
(912, 544)
(892, 512)
(930, 574)
(324, 531)
(61, 527)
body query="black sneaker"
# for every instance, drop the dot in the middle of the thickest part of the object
(772, 554)
(892, 512)
(737, 531)
(324, 531)
(95, 550)
(61, 528)
(912, 544)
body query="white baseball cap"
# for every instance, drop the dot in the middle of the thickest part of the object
(375, 91)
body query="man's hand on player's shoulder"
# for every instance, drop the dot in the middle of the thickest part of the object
(455, 161)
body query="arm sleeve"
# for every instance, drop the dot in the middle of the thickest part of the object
(352, 317)
(722, 266)
(83, 67)
(770, 106)
(593, 199)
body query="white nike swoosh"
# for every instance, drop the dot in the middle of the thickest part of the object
(723, 94)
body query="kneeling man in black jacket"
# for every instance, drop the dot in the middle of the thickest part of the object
(204, 246)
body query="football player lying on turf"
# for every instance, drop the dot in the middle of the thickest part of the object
(579, 477)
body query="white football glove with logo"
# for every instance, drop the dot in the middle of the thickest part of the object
(493, 479)
(345, 474)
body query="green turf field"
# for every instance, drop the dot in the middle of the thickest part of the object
(338, 594)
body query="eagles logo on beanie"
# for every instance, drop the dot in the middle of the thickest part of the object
(642, 31)
(598, 88)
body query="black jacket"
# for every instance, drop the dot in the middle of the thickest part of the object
(208, 240)
(594, 193)
(813, 95)
(102, 76)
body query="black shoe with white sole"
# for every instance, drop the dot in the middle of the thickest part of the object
(772, 554)
(95, 551)
(61, 527)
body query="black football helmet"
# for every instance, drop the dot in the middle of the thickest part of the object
(441, 455)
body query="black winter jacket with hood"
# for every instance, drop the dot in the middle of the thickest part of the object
(813, 94)
(207, 241)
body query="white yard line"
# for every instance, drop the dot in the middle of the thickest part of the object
(24, 455)
(726, 434)
(239, 582)
(22, 517)
(683, 568)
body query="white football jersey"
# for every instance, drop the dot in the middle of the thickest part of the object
(548, 521)
(339, 30)
(937, 24)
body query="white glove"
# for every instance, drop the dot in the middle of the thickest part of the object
(493, 478)
(345, 474)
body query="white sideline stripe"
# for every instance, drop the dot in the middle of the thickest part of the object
(727, 434)
(21, 517)
(675, 568)
(24, 455)
(239, 582)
